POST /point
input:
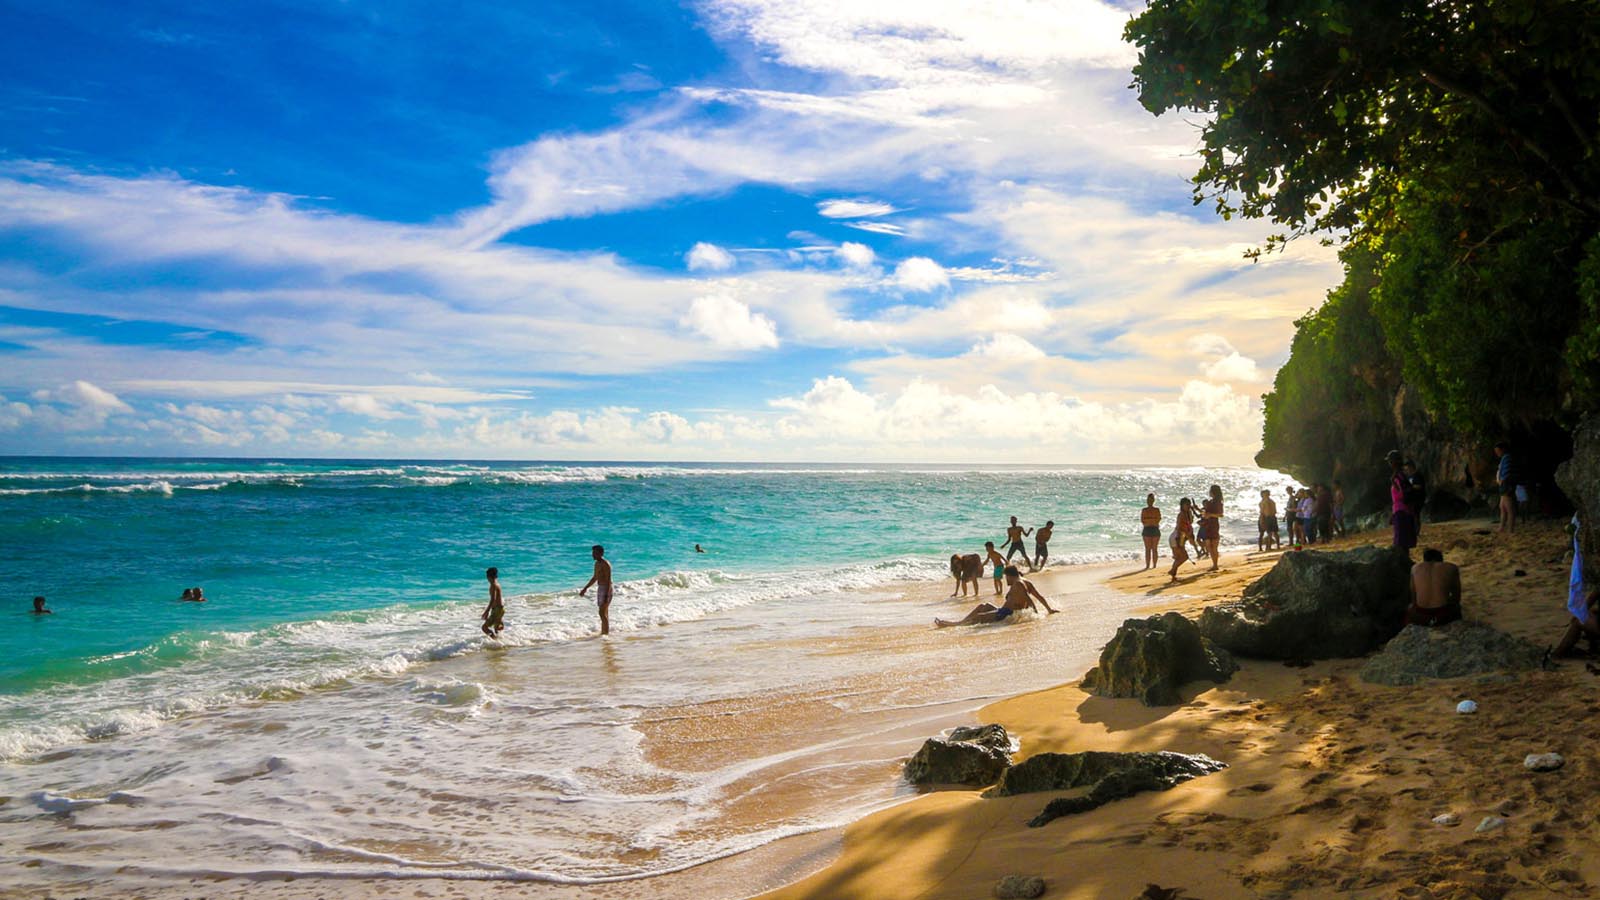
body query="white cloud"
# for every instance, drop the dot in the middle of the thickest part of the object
(1233, 367)
(729, 323)
(854, 209)
(878, 228)
(365, 405)
(920, 274)
(709, 258)
(854, 255)
(1006, 347)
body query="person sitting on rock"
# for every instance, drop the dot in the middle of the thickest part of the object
(1435, 591)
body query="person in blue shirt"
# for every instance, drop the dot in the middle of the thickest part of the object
(1506, 478)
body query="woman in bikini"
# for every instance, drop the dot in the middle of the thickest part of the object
(1182, 531)
(1211, 523)
(1150, 518)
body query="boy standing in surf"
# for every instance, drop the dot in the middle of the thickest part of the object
(601, 581)
(494, 615)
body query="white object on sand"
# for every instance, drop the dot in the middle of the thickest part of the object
(1447, 819)
(1490, 823)
(1466, 707)
(1544, 762)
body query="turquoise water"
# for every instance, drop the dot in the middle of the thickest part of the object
(112, 542)
(334, 712)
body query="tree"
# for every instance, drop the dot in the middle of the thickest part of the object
(1451, 143)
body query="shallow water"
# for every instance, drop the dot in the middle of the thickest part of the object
(334, 711)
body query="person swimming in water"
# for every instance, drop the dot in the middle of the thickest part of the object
(193, 595)
(698, 549)
(39, 608)
(1020, 595)
(494, 615)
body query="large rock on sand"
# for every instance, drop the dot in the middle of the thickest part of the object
(1109, 776)
(1449, 651)
(1579, 478)
(970, 756)
(1150, 659)
(1316, 605)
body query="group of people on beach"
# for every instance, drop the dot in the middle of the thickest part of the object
(1020, 593)
(1184, 534)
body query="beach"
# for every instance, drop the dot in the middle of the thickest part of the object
(1331, 786)
(744, 733)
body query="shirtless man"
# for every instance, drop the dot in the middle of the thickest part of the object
(1041, 540)
(1020, 594)
(1435, 591)
(601, 582)
(494, 615)
(39, 609)
(1267, 525)
(1014, 536)
(998, 562)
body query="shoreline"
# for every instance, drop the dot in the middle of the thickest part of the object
(1332, 782)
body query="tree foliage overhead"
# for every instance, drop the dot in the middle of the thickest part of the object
(1452, 144)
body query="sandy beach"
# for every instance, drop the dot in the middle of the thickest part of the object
(1331, 784)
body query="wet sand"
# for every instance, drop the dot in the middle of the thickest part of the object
(1332, 782)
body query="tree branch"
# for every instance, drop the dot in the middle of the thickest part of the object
(1450, 86)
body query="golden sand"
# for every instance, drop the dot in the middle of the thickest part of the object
(1332, 782)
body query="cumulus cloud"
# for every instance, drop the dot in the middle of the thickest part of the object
(729, 323)
(854, 255)
(854, 209)
(920, 274)
(704, 257)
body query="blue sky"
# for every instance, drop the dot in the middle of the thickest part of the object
(734, 229)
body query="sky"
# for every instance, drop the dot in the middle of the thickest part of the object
(900, 231)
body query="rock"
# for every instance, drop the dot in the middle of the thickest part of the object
(1448, 651)
(1544, 762)
(1489, 823)
(1447, 819)
(1157, 892)
(1466, 708)
(970, 756)
(983, 735)
(1316, 605)
(1150, 659)
(1013, 886)
(1109, 776)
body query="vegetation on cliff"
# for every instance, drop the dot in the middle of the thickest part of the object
(1452, 147)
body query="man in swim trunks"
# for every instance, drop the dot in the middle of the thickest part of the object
(1041, 539)
(1014, 536)
(1267, 524)
(998, 562)
(1435, 591)
(494, 615)
(601, 581)
(1020, 594)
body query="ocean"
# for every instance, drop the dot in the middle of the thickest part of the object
(334, 711)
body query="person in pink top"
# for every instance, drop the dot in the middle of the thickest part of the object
(1404, 517)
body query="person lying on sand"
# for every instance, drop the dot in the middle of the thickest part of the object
(1435, 591)
(1020, 594)
(966, 569)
